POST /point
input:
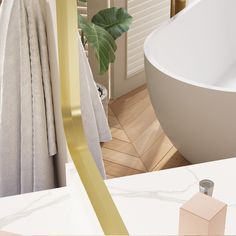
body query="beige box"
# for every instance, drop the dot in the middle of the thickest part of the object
(202, 215)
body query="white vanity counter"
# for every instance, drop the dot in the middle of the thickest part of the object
(149, 203)
(52, 212)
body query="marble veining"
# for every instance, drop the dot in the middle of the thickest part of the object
(163, 195)
(149, 203)
(59, 211)
(33, 206)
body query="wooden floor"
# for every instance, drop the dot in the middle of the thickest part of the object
(139, 145)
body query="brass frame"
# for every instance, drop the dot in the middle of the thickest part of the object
(177, 6)
(100, 198)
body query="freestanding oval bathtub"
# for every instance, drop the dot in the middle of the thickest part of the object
(190, 65)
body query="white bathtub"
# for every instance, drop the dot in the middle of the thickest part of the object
(190, 66)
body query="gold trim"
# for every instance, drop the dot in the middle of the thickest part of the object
(100, 198)
(177, 6)
(172, 8)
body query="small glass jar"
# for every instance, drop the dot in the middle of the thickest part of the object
(206, 186)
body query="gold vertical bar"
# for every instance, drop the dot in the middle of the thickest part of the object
(100, 198)
(177, 6)
(172, 8)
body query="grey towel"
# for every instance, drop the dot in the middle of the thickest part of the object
(27, 129)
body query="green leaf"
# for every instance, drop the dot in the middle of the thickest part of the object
(101, 41)
(114, 20)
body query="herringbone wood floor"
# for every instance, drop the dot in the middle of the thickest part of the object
(139, 145)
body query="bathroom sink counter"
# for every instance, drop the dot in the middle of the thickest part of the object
(149, 203)
(52, 212)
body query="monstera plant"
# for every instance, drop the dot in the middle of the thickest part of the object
(105, 27)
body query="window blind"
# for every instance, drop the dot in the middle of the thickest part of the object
(147, 16)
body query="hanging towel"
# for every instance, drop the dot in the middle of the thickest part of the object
(95, 123)
(63, 155)
(27, 126)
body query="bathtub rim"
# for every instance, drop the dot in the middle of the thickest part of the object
(153, 61)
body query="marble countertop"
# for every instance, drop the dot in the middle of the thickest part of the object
(149, 203)
(53, 212)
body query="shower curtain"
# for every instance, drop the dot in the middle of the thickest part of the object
(30, 159)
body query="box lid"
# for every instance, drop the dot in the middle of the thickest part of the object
(203, 206)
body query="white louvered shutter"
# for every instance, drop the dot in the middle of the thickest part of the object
(147, 16)
(128, 70)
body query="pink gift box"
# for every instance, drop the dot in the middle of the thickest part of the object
(202, 215)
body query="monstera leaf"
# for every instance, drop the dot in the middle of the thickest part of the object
(114, 20)
(102, 42)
